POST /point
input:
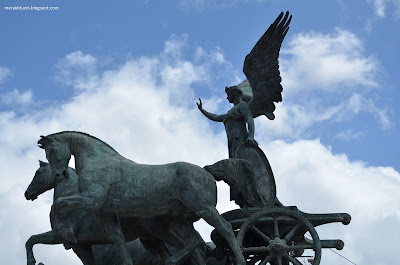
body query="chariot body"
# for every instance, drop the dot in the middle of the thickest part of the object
(272, 233)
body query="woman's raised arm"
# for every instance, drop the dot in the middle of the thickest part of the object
(211, 116)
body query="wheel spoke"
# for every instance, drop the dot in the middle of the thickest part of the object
(276, 227)
(260, 233)
(254, 249)
(294, 261)
(292, 232)
(266, 260)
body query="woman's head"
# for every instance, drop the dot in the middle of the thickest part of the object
(232, 92)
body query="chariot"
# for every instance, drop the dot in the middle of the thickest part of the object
(275, 234)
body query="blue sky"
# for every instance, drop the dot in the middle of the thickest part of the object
(130, 73)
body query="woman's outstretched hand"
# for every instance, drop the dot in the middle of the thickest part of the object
(199, 105)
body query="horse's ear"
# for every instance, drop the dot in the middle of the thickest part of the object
(44, 141)
(43, 164)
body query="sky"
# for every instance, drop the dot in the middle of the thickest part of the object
(130, 72)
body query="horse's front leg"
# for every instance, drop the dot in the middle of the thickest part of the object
(49, 238)
(72, 202)
(114, 233)
(78, 201)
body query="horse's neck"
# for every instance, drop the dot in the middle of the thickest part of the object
(87, 149)
(68, 186)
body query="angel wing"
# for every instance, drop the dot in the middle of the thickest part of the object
(261, 68)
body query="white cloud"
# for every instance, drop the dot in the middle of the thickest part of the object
(296, 118)
(381, 9)
(316, 61)
(327, 78)
(349, 135)
(77, 69)
(130, 108)
(16, 97)
(359, 103)
(4, 73)
(381, 6)
(215, 56)
(175, 45)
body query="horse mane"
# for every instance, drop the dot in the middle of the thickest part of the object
(86, 134)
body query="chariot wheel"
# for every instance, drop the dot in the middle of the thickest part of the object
(275, 236)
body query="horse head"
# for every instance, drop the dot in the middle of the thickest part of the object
(58, 154)
(42, 182)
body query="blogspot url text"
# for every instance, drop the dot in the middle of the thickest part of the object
(31, 8)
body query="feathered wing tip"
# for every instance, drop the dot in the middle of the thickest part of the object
(261, 67)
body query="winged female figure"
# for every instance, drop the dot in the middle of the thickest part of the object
(258, 94)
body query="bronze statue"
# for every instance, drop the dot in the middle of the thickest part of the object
(111, 199)
(256, 95)
(235, 120)
(250, 178)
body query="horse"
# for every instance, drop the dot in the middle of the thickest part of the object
(111, 184)
(84, 232)
(80, 221)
